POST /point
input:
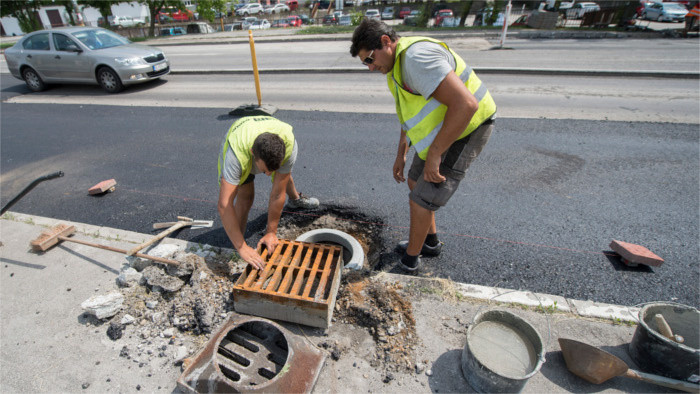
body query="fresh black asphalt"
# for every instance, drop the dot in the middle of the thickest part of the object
(536, 211)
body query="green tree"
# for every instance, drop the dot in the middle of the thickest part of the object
(424, 17)
(155, 6)
(495, 10)
(24, 11)
(466, 7)
(207, 8)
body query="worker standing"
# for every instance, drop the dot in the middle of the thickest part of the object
(691, 18)
(446, 114)
(254, 145)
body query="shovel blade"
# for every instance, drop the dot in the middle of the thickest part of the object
(590, 363)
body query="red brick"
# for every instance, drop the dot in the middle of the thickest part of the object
(102, 186)
(636, 254)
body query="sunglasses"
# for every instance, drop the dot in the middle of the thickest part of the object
(369, 59)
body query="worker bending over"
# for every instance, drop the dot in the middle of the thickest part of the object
(254, 145)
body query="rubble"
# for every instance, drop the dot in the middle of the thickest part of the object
(103, 306)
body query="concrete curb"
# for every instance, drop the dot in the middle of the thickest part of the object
(480, 70)
(545, 303)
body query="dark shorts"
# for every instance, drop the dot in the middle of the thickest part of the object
(455, 162)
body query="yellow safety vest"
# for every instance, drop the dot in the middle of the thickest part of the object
(243, 133)
(422, 119)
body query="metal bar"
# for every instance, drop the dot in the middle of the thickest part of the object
(268, 267)
(321, 289)
(302, 270)
(272, 286)
(312, 275)
(293, 265)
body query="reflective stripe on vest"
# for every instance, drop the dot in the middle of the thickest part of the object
(242, 134)
(422, 119)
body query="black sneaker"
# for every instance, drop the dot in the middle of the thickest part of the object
(426, 250)
(410, 267)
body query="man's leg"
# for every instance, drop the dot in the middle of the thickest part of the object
(298, 200)
(243, 203)
(422, 221)
(433, 227)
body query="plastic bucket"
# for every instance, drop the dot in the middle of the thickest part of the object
(502, 352)
(654, 353)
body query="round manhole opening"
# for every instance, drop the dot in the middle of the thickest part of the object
(252, 354)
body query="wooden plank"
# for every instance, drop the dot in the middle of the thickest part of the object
(103, 186)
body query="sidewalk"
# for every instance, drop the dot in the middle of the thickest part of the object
(47, 344)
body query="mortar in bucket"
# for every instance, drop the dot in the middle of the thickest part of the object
(502, 352)
(657, 354)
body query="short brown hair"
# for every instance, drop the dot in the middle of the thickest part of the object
(270, 149)
(368, 35)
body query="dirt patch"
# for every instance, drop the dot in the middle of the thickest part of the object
(387, 316)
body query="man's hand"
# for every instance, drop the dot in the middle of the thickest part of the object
(431, 171)
(399, 165)
(270, 240)
(250, 256)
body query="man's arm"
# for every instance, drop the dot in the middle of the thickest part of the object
(227, 192)
(400, 161)
(461, 107)
(274, 210)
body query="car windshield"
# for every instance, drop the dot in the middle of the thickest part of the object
(100, 39)
(674, 6)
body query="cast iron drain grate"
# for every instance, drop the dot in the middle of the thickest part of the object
(252, 354)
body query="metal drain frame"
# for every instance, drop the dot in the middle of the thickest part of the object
(299, 284)
(298, 375)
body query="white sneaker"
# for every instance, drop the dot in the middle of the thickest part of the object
(303, 202)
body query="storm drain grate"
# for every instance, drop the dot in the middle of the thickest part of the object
(250, 354)
(299, 284)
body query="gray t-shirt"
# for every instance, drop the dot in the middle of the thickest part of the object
(425, 65)
(232, 171)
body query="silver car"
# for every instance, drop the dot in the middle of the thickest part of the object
(83, 55)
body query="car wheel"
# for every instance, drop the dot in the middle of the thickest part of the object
(33, 80)
(109, 80)
(660, 19)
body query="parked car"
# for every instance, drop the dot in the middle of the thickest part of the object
(199, 28)
(177, 15)
(665, 12)
(446, 13)
(306, 20)
(126, 21)
(579, 9)
(233, 26)
(172, 31)
(250, 9)
(330, 19)
(405, 11)
(248, 21)
(277, 9)
(294, 21)
(260, 24)
(373, 13)
(292, 4)
(345, 20)
(280, 23)
(448, 21)
(89, 55)
(388, 13)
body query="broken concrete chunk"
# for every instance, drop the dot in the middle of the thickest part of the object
(168, 332)
(180, 354)
(129, 277)
(128, 319)
(165, 251)
(138, 263)
(188, 263)
(151, 304)
(160, 281)
(103, 306)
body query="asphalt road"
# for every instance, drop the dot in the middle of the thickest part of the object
(537, 210)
